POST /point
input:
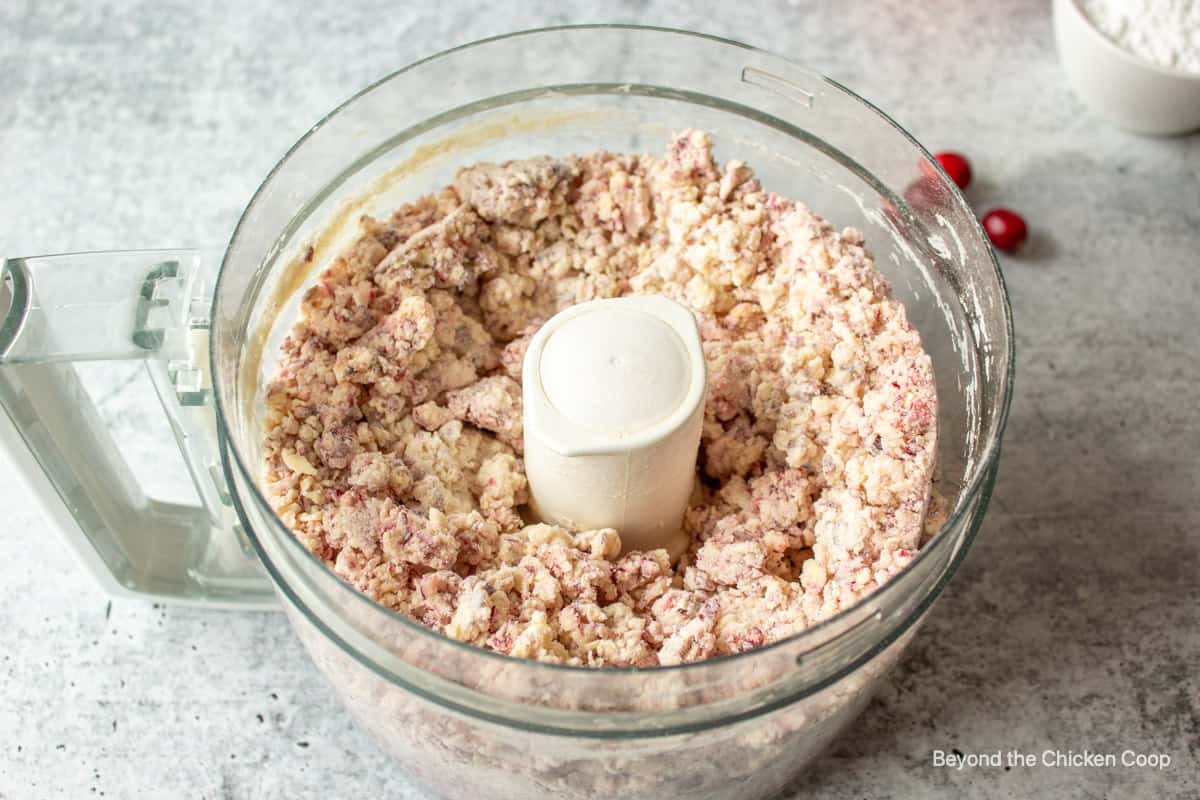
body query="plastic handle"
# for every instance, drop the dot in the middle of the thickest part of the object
(143, 305)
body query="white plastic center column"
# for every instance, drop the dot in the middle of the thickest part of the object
(614, 401)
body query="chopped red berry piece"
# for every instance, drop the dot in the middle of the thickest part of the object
(1005, 228)
(957, 167)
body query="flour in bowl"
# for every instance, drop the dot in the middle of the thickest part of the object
(1165, 33)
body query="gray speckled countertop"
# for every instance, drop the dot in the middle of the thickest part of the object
(1075, 622)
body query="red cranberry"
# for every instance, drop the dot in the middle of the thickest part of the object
(957, 167)
(1005, 228)
(925, 195)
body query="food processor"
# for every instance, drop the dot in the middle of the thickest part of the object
(462, 721)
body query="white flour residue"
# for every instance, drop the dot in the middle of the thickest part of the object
(1164, 32)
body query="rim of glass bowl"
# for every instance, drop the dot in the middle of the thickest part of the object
(984, 465)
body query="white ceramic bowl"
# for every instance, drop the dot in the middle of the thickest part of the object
(1131, 93)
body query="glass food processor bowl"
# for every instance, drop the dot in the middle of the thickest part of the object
(465, 722)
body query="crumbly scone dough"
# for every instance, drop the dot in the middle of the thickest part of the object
(394, 425)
